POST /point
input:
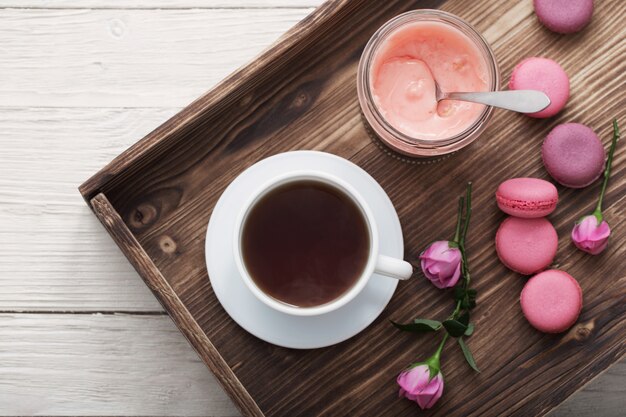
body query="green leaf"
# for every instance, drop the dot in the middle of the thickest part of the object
(434, 324)
(454, 328)
(464, 319)
(470, 330)
(459, 293)
(418, 326)
(468, 354)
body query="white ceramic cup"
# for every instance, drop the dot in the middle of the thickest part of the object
(376, 262)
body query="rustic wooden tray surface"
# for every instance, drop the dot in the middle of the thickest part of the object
(156, 199)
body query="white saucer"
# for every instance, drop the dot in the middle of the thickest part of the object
(262, 321)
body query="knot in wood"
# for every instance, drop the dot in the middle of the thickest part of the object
(143, 215)
(301, 100)
(583, 331)
(167, 244)
(117, 28)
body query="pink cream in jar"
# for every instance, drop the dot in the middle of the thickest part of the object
(397, 90)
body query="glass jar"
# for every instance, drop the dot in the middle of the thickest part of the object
(388, 134)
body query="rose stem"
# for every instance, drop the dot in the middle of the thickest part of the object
(607, 171)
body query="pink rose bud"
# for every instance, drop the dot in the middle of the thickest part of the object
(591, 237)
(417, 385)
(441, 264)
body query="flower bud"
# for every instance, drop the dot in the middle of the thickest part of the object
(441, 263)
(417, 385)
(591, 236)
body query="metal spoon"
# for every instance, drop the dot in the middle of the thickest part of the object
(522, 101)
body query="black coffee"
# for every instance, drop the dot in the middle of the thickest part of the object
(305, 243)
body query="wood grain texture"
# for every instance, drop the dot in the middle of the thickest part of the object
(55, 257)
(158, 4)
(118, 364)
(54, 254)
(95, 364)
(171, 301)
(605, 396)
(128, 58)
(301, 95)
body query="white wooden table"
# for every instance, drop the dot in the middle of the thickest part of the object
(80, 334)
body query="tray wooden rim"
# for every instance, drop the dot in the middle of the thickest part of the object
(151, 275)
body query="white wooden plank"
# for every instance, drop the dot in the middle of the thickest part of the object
(128, 58)
(55, 255)
(157, 4)
(74, 364)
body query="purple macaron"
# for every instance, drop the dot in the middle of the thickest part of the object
(573, 155)
(564, 16)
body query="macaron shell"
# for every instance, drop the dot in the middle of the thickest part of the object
(551, 301)
(564, 16)
(545, 75)
(526, 246)
(573, 155)
(527, 197)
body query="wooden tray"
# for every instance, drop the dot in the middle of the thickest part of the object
(156, 198)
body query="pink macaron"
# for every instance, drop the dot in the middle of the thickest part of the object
(564, 16)
(573, 155)
(545, 75)
(527, 197)
(526, 246)
(551, 301)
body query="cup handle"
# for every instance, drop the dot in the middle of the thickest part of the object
(393, 267)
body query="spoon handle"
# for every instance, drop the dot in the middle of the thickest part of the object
(523, 101)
